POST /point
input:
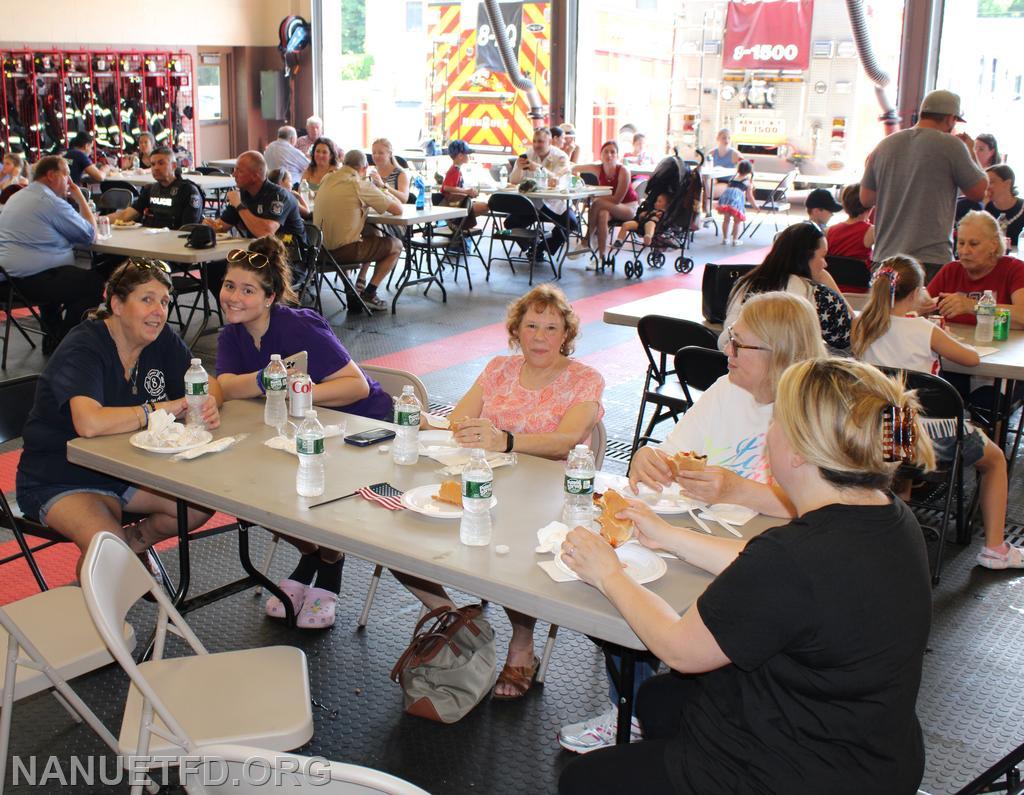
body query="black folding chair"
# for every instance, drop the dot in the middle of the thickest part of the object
(113, 200)
(118, 184)
(772, 201)
(450, 244)
(532, 236)
(589, 178)
(662, 337)
(852, 275)
(697, 368)
(939, 401)
(304, 271)
(12, 299)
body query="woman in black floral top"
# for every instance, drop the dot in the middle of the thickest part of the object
(796, 264)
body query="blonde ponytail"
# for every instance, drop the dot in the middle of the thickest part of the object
(893, 280)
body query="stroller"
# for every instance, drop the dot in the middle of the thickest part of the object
(682, 183)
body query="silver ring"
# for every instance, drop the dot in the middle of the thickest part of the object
(572, 550)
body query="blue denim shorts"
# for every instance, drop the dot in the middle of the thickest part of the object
(35, 501)
(973, 447)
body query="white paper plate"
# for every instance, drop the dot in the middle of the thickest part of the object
(202, 437)
(421, 500)
(132, 225)
(642, 564)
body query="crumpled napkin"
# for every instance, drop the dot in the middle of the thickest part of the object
(288, 445)
(550, 537)
(163, 431)
(437, 421)
(210, 447)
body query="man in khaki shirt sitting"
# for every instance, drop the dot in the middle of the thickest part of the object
(342, 204)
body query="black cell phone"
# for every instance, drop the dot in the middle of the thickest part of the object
(372, 436)
(524, 156)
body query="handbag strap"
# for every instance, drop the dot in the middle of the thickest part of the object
(424, 643)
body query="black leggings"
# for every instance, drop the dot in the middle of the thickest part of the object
(638, 767)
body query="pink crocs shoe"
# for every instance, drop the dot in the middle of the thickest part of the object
(318, 609)
(296, 591)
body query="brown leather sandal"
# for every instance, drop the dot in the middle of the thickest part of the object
(518, 677)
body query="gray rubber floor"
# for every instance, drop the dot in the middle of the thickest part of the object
(971, 703)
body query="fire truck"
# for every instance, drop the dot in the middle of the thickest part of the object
(786, 76)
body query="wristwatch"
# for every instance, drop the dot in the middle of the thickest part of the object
(510, 442)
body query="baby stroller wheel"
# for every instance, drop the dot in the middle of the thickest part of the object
(656, 259)
(628, 269)
(684, 264)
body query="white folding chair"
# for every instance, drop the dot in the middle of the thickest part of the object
(598, 442)
(391, 381)
(50, 639)
(241, 770)
(175, 705)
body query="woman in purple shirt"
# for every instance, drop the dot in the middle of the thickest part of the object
(255, 297)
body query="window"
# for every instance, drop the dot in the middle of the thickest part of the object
(414, 16)
(208, 78)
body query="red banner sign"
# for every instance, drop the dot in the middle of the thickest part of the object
(772, 34)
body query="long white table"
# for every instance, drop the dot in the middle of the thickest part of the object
(169, 245)
(208, 182)
(227, 164)
(425, 269)
(256, 484)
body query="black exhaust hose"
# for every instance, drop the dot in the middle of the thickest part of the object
(889, 117)
(497, 20)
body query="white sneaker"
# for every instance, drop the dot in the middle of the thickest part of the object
(598, 732)
(735, 241)
(1012, 559)
(724, 241)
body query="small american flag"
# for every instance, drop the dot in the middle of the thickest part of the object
(383, 494)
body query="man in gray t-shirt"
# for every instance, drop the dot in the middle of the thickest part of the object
(913, 177)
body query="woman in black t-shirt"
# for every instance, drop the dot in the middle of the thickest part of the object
(106, 377)
(1003, 204)
(803, 656)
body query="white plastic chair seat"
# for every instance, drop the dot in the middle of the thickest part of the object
(71, 644)
(228, 767)
(251, 695)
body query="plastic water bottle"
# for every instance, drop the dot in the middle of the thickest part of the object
(986, 317)
(503, 176)
(309, 444)
(406, 448)
(579, 488)
(275, 383)
(304, 189)
(420, 194)
(197, 388)
(477, 489)
(136, 163)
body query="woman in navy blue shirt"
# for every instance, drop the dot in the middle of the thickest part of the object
(107, 375)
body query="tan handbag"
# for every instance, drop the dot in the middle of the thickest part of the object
(449, 666)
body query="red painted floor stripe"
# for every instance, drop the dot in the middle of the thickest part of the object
(492, 339)
(619, 363)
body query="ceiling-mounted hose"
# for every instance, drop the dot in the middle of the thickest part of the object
(889, 117)
(497, 21)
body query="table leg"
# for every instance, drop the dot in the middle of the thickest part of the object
(204, 291)
(624, 685)
(256, 577)
(406, 280)
(184, 563)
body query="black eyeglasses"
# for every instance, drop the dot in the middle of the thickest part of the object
(257, 259)
(740, 346)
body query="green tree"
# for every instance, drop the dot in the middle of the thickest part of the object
(353, 27)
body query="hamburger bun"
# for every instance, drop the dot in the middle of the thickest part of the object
(613, 530)
(686, 461)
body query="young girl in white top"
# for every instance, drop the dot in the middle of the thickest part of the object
(889, 333)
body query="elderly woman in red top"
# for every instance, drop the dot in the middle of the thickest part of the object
(621, 205)
(983, 265)
(855, 236)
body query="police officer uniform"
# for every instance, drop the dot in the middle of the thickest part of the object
(170, 206)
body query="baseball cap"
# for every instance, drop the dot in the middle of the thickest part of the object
(944, 102)
(821, 199)
(458, 147)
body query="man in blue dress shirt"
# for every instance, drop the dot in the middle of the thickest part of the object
(39, 230)
(283, 153)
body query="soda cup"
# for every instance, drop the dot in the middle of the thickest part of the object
(938, 320)
(1001, 327)
(103, 227)
(300, 395)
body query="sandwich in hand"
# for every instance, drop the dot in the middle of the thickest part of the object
(686, 461)
(613, 530)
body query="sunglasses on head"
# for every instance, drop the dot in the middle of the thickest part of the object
(256, 259)
(145, 263)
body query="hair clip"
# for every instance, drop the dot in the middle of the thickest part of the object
(899, 435)
(887, 272)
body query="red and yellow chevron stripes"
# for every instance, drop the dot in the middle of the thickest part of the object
(499, 116)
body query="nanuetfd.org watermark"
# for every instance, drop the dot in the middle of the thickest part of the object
(95, 771)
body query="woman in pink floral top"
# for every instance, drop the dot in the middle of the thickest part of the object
(539, 402)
